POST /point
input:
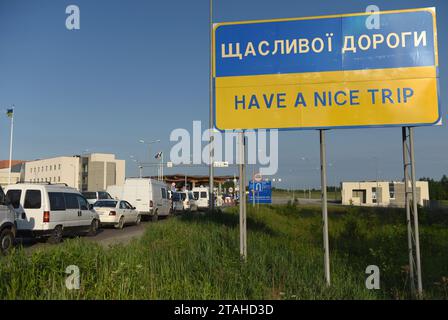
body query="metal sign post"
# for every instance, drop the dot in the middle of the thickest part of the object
(323, 175)
(411, 211)
(242, 164)
(211, 116)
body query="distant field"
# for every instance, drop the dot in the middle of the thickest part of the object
(300, 194)
(197, 257)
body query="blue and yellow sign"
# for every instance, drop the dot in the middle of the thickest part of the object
(327, 72)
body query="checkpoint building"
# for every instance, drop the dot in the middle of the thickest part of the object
(381, 193)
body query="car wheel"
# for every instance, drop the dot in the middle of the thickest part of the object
(6, 241)
(56, 235)
(120, 223)
(139, 219)
(94, 226)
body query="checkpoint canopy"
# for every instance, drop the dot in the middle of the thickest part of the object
(327, 72)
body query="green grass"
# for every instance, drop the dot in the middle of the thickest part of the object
(197, 257)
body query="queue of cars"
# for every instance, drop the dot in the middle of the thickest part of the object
(52, 211)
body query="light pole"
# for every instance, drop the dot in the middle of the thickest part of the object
(304, 186)
(140, 167)
(149, 146)
(330, 165)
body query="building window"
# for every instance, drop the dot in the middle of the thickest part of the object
(55, 167)
(46, 168)
(374, 197)
(392, 190)
(59, 167)
(59, 179)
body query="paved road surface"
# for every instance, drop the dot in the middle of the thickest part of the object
(106, 236)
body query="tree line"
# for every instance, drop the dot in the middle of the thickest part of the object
(438, 190)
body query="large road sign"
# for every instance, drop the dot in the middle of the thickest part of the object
(327, 72)
(261, 191)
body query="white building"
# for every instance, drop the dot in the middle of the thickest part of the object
(16, 174)
(93, 172)
(381, 193)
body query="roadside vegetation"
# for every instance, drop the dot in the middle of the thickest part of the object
(196, 256)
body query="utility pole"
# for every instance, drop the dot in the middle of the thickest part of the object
(10, 113)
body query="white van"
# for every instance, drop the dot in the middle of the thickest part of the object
(184, 201)
(7, 224)
(201, 194)
(148, 196)
(51, 211)
(116, 192)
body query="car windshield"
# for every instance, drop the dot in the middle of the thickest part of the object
(104, 195)
(105, 204)
(179, 196)
(191, 196)
(176, 196)
(89, 195)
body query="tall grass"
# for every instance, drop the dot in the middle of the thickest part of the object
(197, 257)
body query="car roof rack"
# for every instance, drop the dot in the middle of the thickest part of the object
(43, 182)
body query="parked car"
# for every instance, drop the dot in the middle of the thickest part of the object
(117, 213)
(51, 211)
(201, 195)
(184, 201)
(94, 196)
(7, 224)
(149, 196)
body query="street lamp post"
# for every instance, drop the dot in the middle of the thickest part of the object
(149, 146)
(139, 165)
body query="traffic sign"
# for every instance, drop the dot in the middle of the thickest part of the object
(221, 164)
(327, 72)
(262, 192)
(258, 177)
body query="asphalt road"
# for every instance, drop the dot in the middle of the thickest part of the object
(106, 236)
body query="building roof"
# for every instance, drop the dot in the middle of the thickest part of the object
(198, 179)
(5, 163)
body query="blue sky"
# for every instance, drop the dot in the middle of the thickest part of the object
(139, 69)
